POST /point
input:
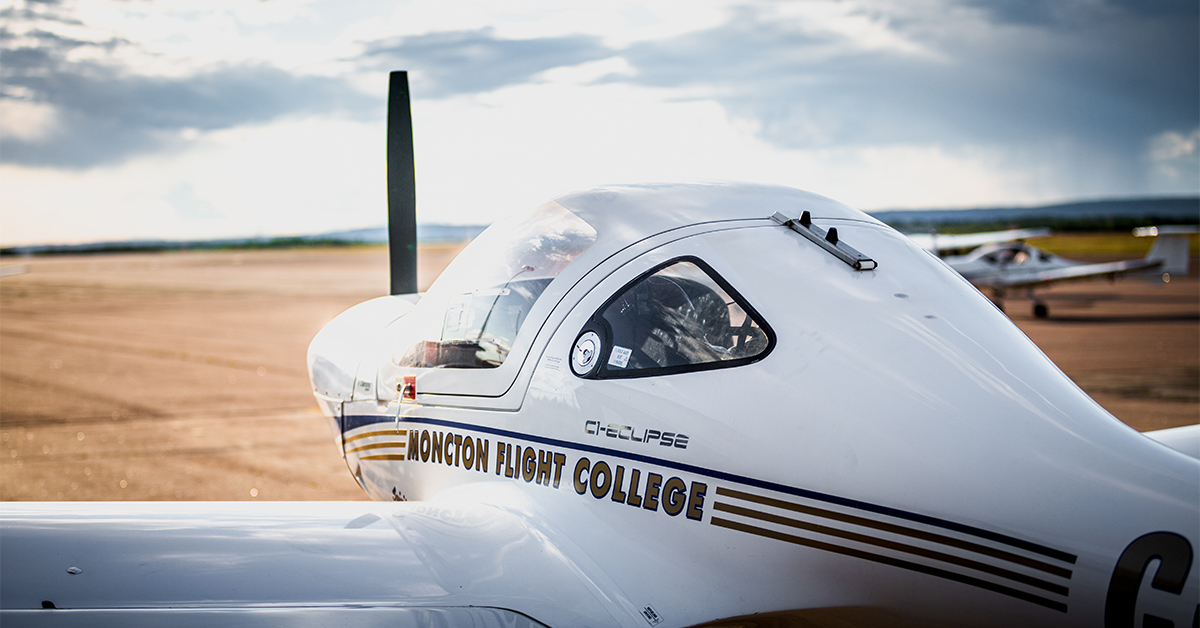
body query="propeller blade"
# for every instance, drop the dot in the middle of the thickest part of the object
(402, 188)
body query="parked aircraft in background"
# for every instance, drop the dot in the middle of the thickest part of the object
(1003, 262)
(941, 243)
(662, 406)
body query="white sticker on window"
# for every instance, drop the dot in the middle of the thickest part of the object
(457, 311)
(620, 357)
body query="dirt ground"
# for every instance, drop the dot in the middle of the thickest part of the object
(181, 376)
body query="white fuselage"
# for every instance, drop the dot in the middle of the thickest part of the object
(903, 447)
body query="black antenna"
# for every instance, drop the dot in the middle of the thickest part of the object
(402, 187)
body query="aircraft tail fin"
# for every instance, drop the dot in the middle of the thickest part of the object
(402, 187)
(1171, 246)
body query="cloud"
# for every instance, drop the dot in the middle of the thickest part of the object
(1092, 81)
(1083, 86)
(1171, 145)
(94, 111)
(1174, 161)
(1037, 12)
(47, 11)
(1127, 77)
(189, 205)
(475, 61)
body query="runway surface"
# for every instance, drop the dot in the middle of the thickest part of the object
(181, 376)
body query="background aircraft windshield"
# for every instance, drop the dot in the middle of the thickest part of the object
(473, 312)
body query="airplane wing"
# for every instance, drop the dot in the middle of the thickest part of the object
(1082, 271)
(935, 242)
(277, 563)
(1185, 439)
(1142, 232)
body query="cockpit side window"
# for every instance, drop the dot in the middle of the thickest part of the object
(472, 314)
(1007, 256)
(680, 317)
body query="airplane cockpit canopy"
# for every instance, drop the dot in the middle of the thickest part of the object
(1011, 253)
(471, 315)
(681, 317)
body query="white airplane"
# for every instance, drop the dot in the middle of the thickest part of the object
(940, 243)
(665, 406)
(1002, 261)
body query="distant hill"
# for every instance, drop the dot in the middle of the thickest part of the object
(1107, 215)
(425, 233)
(376, 235)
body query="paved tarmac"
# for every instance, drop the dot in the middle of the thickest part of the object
(181, 376)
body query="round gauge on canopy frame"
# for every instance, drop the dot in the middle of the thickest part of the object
(585, 354)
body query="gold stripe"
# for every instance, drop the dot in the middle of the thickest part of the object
(384, 457)
(381, 433)
(376, 446)
(894, 562)
(893, 545)
(897, 529)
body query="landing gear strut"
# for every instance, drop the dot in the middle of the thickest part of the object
(1040, 309)
(998, 298)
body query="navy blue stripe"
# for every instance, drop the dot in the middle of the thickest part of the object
(353, 422)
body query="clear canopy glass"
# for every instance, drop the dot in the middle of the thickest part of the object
(472, 314)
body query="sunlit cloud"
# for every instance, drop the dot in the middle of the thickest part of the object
(184, 118)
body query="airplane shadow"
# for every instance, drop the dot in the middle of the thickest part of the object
(1126, 318)
(1100, 297)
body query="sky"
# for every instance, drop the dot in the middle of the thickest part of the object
(187, 119)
